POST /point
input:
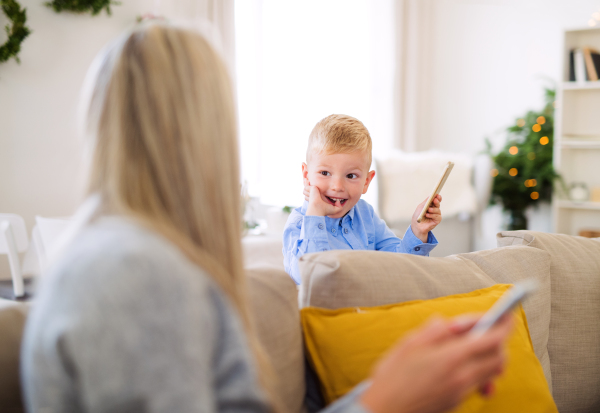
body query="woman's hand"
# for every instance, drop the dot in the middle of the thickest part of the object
(433, 369)
(432, 218)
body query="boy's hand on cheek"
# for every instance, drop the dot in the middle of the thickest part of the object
(316, 205)
(431, 219)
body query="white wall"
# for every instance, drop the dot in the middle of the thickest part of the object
(40, 152)
(490, 61)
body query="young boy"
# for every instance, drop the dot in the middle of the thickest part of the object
(336, 174)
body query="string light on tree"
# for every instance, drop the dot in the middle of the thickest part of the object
(596, 16)
(525, 155)
(530, 183)
(591, 22)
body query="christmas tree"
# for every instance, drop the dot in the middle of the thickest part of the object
(523, 172)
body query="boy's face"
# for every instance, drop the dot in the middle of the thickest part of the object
(341, 178)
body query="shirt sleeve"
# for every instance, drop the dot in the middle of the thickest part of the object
(139, 338)
(385, 240)
(302, 235)
(349, 403)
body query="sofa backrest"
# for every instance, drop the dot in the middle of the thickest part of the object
(274, 310)
(342, 278)
(574, 343)
(12, 321)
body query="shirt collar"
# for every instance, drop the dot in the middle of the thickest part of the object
(350, 213)
(350, 216)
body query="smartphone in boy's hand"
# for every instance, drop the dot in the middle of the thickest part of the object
(431, 219)
(428, 215)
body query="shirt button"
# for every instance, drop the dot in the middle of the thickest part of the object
(333, 230)
(320, 226)
(345, 230)
(417, 248)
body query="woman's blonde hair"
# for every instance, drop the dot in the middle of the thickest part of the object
(164, 150)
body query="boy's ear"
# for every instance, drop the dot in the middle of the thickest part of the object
(370, 177)
(305, 173)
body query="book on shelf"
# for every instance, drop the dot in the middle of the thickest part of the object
(590, 233)
(584, 65)
(592, 62)
(578, 73)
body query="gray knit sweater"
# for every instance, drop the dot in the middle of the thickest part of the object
(123, 322)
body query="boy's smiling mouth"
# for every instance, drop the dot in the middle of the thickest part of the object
(334, 201)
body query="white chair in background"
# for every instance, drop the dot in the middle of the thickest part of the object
(13, 240)
(45, 235)
(35, 257)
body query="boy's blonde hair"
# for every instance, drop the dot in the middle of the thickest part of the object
(339, 134)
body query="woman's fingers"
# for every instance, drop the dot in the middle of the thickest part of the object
(482, 346)
(487, 389)
(434, 331)
(437, 330)
(463, 323)
(434, 368)
(480, 373)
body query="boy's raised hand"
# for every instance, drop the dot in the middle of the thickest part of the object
(431, 219)
(316, 205)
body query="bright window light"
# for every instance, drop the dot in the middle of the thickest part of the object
(297, 62)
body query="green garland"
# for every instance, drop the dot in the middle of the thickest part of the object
(81, 6)
(17, 33)
(523, 171)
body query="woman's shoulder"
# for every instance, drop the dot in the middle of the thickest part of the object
(117, 254)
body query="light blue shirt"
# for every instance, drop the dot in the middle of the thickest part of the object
(359, 229)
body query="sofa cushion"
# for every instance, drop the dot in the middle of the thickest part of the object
(274, 310)
(342, 278)
(345, 344)
(12, 321)
(574, 344)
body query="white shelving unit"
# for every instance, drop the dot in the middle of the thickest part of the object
(577, 139)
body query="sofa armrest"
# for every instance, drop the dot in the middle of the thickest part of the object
(12, 322)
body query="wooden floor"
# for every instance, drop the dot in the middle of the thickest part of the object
(6, 290)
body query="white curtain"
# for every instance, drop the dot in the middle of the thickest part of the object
(414, 50)
(215, 18)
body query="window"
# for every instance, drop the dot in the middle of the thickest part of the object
(297, 62)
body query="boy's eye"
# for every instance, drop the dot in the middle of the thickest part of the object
(325, 173)
(351, 176)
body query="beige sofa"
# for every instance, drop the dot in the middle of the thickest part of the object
(563, 315)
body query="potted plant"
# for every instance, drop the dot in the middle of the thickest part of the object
(523, 173)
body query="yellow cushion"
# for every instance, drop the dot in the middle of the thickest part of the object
(344, 344)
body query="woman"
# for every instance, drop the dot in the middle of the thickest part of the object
(145, 310)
